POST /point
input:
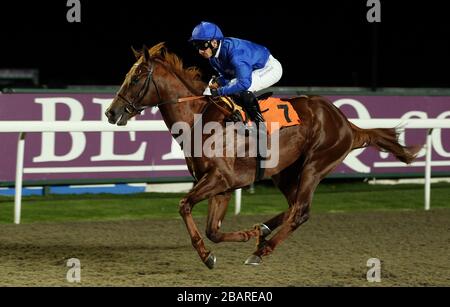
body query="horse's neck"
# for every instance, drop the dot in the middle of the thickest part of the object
(181, 111)
(174, 88)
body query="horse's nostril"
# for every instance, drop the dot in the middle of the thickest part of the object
(109, 113)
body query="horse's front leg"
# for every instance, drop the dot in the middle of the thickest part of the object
(209, 185)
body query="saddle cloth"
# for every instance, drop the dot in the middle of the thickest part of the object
(272, 109)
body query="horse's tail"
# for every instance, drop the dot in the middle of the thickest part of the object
(385, 139)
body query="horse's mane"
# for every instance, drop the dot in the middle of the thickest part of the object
(160, 51)
(191, 76)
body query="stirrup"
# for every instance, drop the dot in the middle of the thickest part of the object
(235, 117)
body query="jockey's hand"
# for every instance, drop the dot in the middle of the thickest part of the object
(214, 85)
(214, 93)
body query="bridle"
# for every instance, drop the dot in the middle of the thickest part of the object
(131, 105)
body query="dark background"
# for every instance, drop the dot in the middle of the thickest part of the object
(319, 43)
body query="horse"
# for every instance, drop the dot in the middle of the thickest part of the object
(307, 152)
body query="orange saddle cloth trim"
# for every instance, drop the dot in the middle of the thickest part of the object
(275, 110)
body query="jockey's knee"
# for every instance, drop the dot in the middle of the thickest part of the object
(248, 94)
(247, 97)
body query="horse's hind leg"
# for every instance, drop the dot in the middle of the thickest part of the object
(312, 173)
(287, 181)
(217, 208)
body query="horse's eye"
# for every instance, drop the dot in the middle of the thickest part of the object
(134, 80)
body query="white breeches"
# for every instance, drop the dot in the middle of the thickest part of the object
(262, 78)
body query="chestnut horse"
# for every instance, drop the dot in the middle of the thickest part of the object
(307, 152)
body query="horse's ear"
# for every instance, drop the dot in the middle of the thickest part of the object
(136, 53)
(146, 53)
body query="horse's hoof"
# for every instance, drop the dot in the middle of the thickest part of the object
(253, 260)
(210, 261)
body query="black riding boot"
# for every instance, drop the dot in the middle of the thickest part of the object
(250, 103)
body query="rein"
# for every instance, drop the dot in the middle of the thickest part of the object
(183, 99)
(131, 105)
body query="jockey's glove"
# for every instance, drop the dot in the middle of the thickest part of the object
(215, 81)
(214, 93)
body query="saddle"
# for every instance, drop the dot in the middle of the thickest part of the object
(273, 110)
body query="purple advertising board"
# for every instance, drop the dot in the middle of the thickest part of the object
(155, 156)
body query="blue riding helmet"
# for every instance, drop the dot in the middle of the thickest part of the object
(206, 31)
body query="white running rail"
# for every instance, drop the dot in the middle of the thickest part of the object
(22, 127)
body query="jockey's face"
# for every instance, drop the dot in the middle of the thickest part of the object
(208, 52)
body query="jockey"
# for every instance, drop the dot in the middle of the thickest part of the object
(244, 67)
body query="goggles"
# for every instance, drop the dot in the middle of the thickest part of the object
(201, 45)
